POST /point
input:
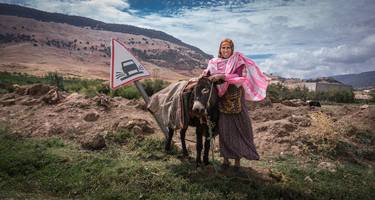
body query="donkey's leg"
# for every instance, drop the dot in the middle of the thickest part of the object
(183, 144)
(169, 139)
(199, 145)
(206, 150)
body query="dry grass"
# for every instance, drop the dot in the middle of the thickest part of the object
(323, 135)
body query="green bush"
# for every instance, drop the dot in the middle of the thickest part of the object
(153, 86)
(88, 87)
(19, 78)
(336, 96)
(129, 92)
(55, 79)
(372, 96)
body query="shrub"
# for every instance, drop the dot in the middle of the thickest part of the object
(336, 96)
(325, 135)
(153, 86)
(129, 92)
(89, 87)
(372, 96)
(53, 78)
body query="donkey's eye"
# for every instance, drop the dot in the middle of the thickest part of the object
(205, 91)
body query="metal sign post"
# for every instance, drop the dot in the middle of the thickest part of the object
(145, 97)
(126, 69)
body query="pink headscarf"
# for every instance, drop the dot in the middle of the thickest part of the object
(253, 80)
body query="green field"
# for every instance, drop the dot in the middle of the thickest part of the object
(137, 168)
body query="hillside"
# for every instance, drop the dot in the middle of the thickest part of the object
(361, 80)
(15, 10)
(35, 42)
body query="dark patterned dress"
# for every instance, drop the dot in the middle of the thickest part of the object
(235, 132)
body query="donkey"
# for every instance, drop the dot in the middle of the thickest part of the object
(201, 111)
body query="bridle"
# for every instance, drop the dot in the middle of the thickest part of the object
(210, 123)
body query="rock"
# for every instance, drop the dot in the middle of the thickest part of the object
(103, 101)
(8, 102)
(327, 166)
(283, 129)
(364, 107)
(148, 129)
(8, 96)
(20, 90)
(143, 124)
(308, 179)
(137, 130)
(91, 117)
(95, 142)
(38, 90)
(29, 101)
(278, 108)
(52, 97)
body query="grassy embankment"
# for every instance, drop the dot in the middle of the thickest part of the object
(137, 168)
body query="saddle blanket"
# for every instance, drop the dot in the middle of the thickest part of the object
(167, 104)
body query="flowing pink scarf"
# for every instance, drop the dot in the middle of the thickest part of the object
(252, 80)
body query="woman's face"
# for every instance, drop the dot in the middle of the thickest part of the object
(225, 50)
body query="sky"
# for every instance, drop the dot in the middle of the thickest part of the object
(290, 38)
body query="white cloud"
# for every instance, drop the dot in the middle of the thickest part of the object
(309, 38)
(325, 61)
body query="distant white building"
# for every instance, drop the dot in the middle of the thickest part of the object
(319, 85)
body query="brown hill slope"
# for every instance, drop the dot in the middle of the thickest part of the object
(36, 47)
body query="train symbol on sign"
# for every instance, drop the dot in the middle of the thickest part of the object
(129, 69)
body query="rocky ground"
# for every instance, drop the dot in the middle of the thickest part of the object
(279, 128)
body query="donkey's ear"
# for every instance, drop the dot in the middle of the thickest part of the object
(205, 74)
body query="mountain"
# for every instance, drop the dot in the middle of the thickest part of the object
(15, 10)
(361, 80)
(35, 41)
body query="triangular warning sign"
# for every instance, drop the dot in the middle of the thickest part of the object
(124, 67)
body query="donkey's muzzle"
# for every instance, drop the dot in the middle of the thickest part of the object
(198, 107)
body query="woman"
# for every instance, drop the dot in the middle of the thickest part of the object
(242, 81)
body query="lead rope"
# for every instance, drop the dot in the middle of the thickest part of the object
(211, 125)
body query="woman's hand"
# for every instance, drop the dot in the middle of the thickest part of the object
(217, 77)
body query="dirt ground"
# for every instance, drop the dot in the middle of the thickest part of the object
(278, 128)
